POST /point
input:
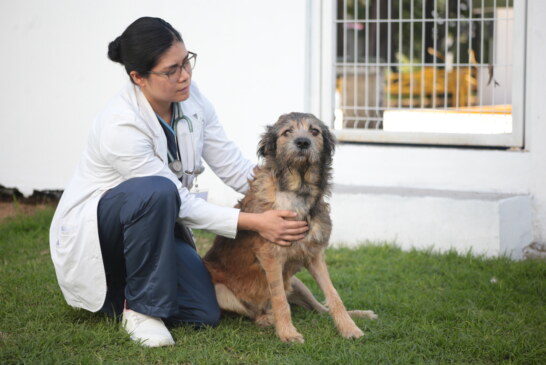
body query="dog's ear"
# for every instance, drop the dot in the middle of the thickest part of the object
(329, 141)
(268, 143)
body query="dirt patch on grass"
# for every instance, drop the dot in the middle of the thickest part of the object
(13, 209)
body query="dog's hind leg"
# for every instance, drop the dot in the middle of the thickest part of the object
(345, 325)
(302, 296)
(229, 302)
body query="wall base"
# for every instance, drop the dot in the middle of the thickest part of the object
(483, 223)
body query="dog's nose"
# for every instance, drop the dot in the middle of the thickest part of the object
(302, 143)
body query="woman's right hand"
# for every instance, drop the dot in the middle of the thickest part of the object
(274, 226)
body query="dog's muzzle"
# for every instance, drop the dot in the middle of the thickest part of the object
(302, 143)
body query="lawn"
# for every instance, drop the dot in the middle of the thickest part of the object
(432, 309)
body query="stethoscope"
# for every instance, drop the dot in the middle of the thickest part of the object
(175, 164)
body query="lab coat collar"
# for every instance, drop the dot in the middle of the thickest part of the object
(136, 98)
(134, 95)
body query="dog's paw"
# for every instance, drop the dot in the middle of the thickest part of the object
(291, 336)
(351, 332)
(362, 314)
(265, 320)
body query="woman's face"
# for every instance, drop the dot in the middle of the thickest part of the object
(161, 88)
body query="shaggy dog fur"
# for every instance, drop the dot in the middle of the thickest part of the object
(255, 277)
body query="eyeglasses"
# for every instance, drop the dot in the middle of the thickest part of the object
(174, 74)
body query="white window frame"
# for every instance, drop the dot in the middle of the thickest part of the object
(320, 84)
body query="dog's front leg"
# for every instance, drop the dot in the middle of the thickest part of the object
(279, 303)
(345, 325)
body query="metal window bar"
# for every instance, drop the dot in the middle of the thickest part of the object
(399, 54)
(446, 35)
(494, 48)
(420, 55)
(435, 44)
(355, 71)
(377, 70)
(423, 11)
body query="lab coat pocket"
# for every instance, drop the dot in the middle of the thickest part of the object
(67, 230)
(63, 254)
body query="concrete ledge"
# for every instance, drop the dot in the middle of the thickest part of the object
(484, 223)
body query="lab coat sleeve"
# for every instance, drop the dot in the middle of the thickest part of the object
(223, 155)
(130, 151)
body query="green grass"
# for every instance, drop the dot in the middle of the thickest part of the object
(432, 308)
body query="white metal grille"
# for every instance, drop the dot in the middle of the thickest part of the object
(424, 66)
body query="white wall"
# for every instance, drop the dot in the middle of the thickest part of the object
(57, 77)
(253, 64)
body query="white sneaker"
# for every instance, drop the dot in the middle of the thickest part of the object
(148, 331)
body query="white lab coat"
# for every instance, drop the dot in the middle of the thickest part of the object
(126, 141)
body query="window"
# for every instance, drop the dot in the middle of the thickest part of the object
(430, 71)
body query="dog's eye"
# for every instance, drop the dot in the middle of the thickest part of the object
(315, 132)
(286, 132)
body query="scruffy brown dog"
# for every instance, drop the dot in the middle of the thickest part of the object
(254, 277)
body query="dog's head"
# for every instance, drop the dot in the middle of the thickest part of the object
(297, 140)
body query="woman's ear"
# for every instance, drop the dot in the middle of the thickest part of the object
(268, 143)
(137, 78)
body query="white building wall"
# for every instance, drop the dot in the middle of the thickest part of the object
(253, 64)
(57, 77)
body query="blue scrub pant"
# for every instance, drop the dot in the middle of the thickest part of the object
(148, 259)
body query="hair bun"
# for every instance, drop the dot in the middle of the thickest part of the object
(114, 50)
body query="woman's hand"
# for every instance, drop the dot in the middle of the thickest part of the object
(273, 226)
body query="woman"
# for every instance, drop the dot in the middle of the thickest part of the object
(119, 238)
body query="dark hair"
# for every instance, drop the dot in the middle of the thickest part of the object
(141, 45)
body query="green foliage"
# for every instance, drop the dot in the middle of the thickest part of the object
(432, 309)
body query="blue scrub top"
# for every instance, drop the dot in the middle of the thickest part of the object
(169, 133)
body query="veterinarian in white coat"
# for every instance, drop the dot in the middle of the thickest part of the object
(119, 241)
